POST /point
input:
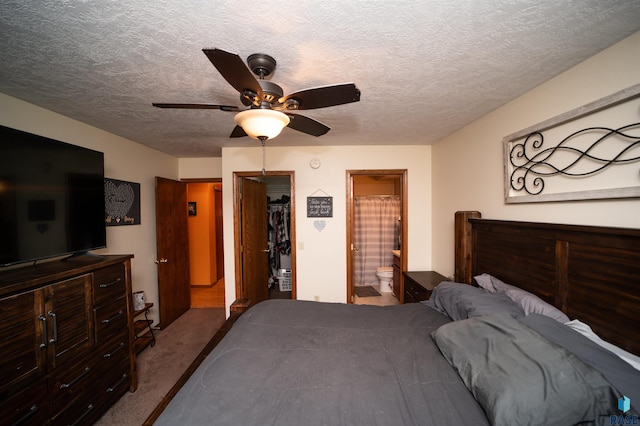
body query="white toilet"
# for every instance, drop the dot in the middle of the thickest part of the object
(385, 276)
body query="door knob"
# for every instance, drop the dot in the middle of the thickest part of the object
(162, 260)
(354, 248)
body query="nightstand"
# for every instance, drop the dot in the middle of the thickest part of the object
(418, 285)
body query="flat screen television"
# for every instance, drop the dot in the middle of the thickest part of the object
(51, 198)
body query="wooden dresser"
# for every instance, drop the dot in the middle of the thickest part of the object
(65, 340)
(418, 285)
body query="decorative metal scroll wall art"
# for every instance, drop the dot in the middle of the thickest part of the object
(532, 158)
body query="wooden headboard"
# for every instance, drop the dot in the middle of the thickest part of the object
(591, 273)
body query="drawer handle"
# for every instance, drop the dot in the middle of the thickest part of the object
(105, 285)
(31, 412)
(76, 380)
(122, 379)
(55, 327)
(113, 318)
(110, 354)
(45, 335)
(87, 411)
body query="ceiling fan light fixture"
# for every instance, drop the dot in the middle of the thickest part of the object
(259, 123)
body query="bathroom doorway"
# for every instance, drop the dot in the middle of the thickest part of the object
(376, 236)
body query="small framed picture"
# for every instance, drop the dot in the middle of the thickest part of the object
(192, 208)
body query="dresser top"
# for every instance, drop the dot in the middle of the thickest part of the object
(28, 277)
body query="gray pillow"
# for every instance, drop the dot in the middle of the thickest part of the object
(462, 301)
(619, 373)
(529, 302)
(520, 377)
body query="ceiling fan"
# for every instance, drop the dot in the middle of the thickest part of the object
(266, 100)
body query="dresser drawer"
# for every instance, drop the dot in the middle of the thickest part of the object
(91, 383)
(418, 285)
(108, 284)
(113, 378)
(116, 348)
(111, 318)
(81, 411)
(114, 385)
(69, 384)
(28, 407)
(415, 292)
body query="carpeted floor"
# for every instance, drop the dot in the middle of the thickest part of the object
(366, 291)
(160, 366)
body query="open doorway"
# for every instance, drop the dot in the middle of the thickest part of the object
(206, 246)
(376, 236)
(264, 233)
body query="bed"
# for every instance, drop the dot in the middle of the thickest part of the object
(492, 347)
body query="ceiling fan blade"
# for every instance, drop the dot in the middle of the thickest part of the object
(237, 132)
(307, 125)
(197, 106)
(325, 96)
(233, 69)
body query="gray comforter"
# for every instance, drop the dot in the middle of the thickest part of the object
(306, 363)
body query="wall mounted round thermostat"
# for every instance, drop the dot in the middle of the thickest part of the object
(314, 163)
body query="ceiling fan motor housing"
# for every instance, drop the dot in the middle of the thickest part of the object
(271, 92)
(261, 64)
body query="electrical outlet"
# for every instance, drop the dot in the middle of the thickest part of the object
(316, 298)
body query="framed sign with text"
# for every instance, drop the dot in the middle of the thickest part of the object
(319, 206)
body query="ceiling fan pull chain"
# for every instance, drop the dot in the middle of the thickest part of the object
(264, 155)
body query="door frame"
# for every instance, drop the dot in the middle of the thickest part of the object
(237, 227)
(404, 214)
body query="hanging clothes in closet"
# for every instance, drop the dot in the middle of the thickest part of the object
(279, 231)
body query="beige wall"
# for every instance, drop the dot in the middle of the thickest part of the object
(124, 160)
(321, 256)
(200, 168)
(468, 165)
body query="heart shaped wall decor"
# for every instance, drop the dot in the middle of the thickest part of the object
(118, 199)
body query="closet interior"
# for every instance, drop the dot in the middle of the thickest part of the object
(279, 216)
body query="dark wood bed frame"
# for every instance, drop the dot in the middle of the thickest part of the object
(590, 273)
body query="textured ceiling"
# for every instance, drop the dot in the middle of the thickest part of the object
(425, 67)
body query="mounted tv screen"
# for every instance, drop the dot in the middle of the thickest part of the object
(51, 198)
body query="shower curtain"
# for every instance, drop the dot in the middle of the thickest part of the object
(375, 235)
